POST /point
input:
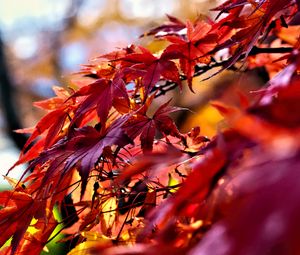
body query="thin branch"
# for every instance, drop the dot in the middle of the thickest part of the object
(201, 69)
(279, 50)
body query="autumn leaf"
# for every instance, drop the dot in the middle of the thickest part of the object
(152, 68)
(260, 206)
(101, 96)
(56, 102)
(145, 127)
(248, 27)
(155, 160)
(125, 178)
(192, 50)
(82, 151)
(109, 215)
(15, 217)
(173, 26)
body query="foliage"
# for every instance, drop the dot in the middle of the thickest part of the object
(138, 184)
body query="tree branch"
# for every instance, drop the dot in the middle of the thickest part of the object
(199, 70)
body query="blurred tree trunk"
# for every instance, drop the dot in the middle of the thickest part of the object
(9, 104)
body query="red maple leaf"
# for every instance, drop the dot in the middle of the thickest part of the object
(192, 49)
(16, 216)
(82, 149)
(173, 26)
(101, 96)
(151, 68)
(145, 127)
(249, 27)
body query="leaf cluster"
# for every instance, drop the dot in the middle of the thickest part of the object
(138, 184)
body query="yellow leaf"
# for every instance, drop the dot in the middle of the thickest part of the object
(93, 239)
(191, 227)
(109, 215)
(94, 236)
(290, 34)
(31, 229)
(14, 183)
(83, 248)
(45, 249)
(208, 118)
(172, 182)
(157, 46)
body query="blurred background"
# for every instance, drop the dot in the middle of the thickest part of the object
(42, 42)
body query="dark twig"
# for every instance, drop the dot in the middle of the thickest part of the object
(201, 69)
